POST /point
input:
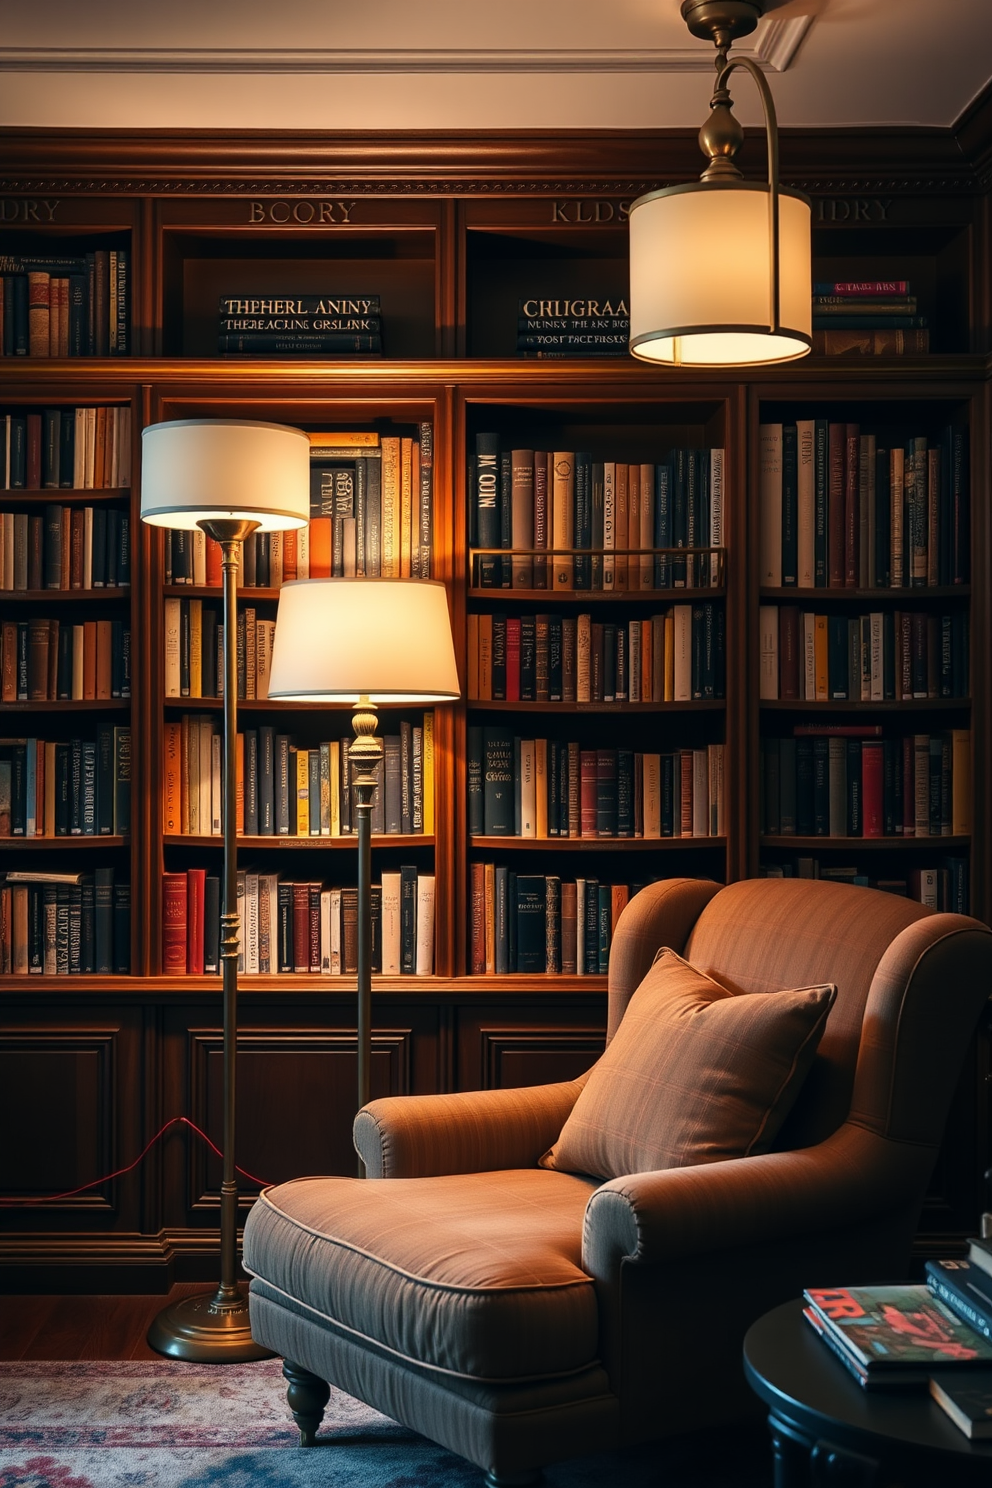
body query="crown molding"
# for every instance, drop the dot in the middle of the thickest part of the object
(613, 162)
(773, 48)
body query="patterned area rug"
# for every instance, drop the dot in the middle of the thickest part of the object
(165, 1425)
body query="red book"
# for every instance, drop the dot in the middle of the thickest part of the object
(836, 451)
(320, 548)
(789, 652)
(904, 640)
(587, 793)
(512, 659)
(174, 901)
(214, 556)
(872, 781)
(288, 556)
(196, 885)
(852, 513)
(866, 288)
(313, 893)
(477, 946)
(908, 786)
(33, 473)
(301, 927)
(541, 523)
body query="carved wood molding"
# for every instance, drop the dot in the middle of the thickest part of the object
(445, 163)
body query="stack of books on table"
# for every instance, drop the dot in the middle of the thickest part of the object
(894, 1335)
(314, 325)
(578, 327)
(868, 317)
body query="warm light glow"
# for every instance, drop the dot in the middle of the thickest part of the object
(193, 470)
(338, 640)
(700, 277)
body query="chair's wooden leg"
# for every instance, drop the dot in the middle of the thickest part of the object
(493, 1479)
(307, 1395)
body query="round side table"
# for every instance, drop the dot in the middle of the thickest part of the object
(827, 1430)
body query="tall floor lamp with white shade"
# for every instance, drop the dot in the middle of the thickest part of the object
(363, 642)
(229, 478)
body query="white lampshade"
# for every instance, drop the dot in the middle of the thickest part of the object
(700, 275)
(198, 469)
(340, 639)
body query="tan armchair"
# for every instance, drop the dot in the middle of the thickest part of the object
(520, 1316)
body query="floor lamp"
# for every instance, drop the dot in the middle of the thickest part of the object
(363, 642)
(227, 478)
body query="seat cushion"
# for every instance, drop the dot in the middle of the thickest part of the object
(693, 1074)
(475, 1274)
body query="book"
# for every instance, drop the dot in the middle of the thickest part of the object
(891, 1332)
(965, 1288)
(966, 1396)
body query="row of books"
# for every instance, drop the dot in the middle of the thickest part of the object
(840, 785)
(194, 651)
(943, 886)
(674, 656)
(868, 317)
(66, 788)
(840, 511)
(301, 325)
(571, 327)
(64, 924)
(65, 547)
(882, 656)
(371, 516)
(539, 923)
(553, 788)
(46, 660)
(588, 515)
(287, 790)
(78, 449)
(66, 305)
(298, 926)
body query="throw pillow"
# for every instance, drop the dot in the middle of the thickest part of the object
(694, 1074)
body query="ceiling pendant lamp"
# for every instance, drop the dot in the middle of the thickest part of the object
(720, 269)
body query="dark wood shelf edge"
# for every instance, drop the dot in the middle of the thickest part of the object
(89, 839)
(176, 988)
(933, 591)
(379, 839)
(499, 705)
(592, 844)
(891, 705)
(870, 843)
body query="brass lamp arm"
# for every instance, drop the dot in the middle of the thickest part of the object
(721, 137)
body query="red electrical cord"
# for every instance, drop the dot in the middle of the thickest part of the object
(176, 1120)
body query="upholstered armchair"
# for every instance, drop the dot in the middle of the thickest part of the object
(521, 1313)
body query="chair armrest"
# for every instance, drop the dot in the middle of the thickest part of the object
(647, 1218)
(420, 1136)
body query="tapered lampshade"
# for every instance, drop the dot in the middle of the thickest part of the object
(700, 275)
(340, 639)
(195, 470)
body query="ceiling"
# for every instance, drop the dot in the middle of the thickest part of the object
(462, 64)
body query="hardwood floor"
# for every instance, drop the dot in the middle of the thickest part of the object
(82, 1327)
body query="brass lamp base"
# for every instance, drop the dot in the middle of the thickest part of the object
(211, 1328)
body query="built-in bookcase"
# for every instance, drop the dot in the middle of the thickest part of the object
(865, 768)
(449, 239)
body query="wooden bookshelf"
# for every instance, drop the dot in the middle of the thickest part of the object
(450, 232)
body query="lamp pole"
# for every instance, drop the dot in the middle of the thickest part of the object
(215, 1329)
(364, 756)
